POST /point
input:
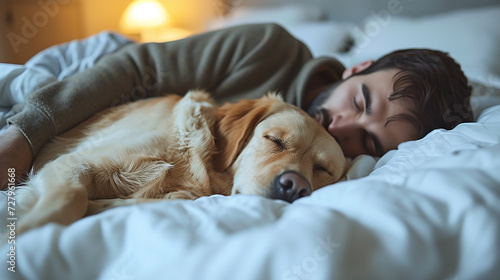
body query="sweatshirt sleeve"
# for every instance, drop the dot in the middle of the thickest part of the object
(240, 62)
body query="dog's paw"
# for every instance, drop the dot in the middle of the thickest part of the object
(198, 96)
(196, 111)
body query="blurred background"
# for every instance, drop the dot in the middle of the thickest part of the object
(29, 26)
(360, 29)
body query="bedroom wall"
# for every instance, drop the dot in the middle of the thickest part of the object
(29, 26)
(4, 46)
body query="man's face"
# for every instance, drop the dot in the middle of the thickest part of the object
(355, 112)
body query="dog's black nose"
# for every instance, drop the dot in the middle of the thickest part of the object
(290, 186)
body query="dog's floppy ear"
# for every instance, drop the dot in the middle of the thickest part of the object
(235, 122)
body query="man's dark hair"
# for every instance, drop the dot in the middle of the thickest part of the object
(435, 84)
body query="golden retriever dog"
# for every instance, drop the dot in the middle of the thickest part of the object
(179, 148)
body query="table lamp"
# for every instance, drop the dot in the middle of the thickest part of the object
(145, 17)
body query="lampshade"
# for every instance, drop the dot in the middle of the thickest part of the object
(143, 14)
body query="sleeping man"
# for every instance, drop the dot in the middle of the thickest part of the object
(369, 108)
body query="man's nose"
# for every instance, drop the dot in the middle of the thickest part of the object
(344, 127)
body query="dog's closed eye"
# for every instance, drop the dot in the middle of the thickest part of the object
(321, 168)
(278, 142)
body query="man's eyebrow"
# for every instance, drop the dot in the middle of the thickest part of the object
(367, 95)
(379, 150)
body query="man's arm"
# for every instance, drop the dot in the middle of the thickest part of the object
(15, 154)
(239, 62)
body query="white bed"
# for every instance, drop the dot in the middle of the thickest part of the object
(428, 210)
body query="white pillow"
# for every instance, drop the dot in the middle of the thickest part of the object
(472, 37)
(483, 96)
(302, 21)
(322, 37)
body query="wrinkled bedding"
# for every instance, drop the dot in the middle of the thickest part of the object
(429, 210)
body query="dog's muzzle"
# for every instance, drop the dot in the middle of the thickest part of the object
(290, 186)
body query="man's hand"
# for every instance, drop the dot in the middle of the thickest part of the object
(15, 152)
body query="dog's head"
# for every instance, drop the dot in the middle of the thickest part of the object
(276, 150)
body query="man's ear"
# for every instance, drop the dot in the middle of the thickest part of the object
(356, 69)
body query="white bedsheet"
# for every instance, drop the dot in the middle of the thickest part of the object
(430, 210)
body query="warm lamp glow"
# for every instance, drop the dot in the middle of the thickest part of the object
(143, 14)
(150, 20)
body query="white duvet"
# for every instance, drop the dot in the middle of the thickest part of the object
(429, 210)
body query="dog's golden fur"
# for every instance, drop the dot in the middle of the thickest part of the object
(176, 148)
